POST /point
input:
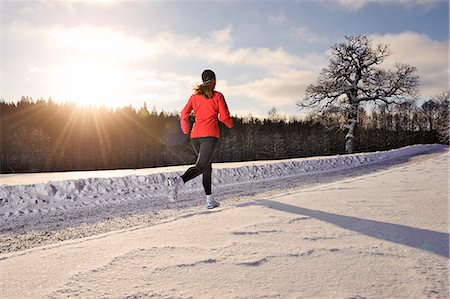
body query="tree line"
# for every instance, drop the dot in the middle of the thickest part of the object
(42, 135)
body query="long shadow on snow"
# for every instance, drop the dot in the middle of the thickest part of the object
(427, 240)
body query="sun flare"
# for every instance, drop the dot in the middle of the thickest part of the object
(96, 59)
(89, 83)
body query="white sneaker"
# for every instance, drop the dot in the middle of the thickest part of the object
(174, 184)
(211, 203)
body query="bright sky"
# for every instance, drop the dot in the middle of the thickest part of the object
(264, 53)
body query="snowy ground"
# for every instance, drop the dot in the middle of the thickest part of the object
(371, 225)
(37, 209)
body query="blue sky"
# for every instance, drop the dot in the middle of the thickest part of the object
(264, 53)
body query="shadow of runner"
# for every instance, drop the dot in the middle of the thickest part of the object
(427, 240)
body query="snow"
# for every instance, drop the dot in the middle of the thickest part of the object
(23, 194)
(371, 225)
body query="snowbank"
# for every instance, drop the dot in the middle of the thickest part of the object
(16, 200)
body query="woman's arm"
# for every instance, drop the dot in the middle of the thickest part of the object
(184, 117)
(224, 113)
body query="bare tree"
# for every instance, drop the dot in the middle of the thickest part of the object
(352, 79)
(273, 114)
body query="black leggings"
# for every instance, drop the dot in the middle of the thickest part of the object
(204, 148)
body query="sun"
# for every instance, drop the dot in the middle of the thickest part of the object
(89, 83)
(97, 64)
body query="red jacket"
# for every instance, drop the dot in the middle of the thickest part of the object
(206, 112)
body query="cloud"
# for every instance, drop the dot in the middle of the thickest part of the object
(37, 8)
(286, 87)
(271, 77)
(109, 43)
(84, 63)
(429, 56)
(85, 40)
(74, 4)
(303, 34)
(276, 90)
(352, 5)
(162, 88)
(219, 48)
(277, 19)
(100, 40)
(355, 5)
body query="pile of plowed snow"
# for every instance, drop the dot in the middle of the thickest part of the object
(61, 193)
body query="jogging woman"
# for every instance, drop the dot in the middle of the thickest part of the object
(209, 106)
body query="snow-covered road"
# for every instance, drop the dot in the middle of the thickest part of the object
(374, 230)
(37, 209)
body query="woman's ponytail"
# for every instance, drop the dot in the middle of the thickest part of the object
(205, 89)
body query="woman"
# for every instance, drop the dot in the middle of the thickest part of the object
(208, 106)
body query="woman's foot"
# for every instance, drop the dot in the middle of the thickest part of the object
(211, 203)
(174, 184)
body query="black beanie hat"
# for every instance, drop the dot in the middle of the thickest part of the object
(208, 76)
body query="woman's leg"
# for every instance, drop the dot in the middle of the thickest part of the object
(207, 179)
(204, 147)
